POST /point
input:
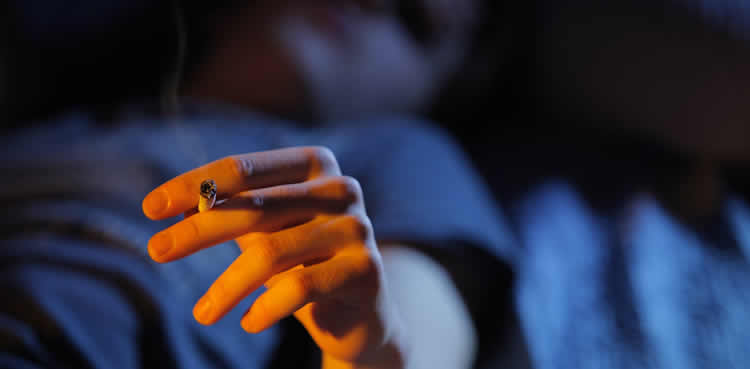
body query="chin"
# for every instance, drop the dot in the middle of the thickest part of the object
(374, 70)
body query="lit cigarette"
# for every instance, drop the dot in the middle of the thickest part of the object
(207, 195)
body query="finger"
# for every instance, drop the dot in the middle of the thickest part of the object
(189, 213)
(272, 281)
(194, 210)
(238, 173)
(294, 235)
(269, 254)
(333, 279)
(265, 210)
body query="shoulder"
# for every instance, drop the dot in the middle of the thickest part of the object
(420, 186)
(393, 146)
(404, 134)
(402, 155)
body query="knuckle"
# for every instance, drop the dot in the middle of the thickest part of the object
(351, 188)
(358, 225)
(368, 274)
(240, 166)
(257, 201)
(250, 240)
(186, 185)
(266, 250)
(367, 264)
(324, 154)
(325, 160)
(302, 286)
(191, 230)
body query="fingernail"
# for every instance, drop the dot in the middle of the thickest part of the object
(155, 204)
(202, 310)
(160, 244)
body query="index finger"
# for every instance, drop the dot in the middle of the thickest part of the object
(238, 173)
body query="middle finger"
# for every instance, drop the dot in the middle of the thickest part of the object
(264, 210)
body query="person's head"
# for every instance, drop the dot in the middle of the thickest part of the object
(327, 59)
(304, 59)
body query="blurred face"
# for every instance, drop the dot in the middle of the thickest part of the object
(358, 60)
(352, 58)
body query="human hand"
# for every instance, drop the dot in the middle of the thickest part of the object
(303, 232)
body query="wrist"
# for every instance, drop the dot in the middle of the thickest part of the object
(391, 355)
(393, 350)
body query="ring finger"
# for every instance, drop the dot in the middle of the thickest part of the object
(266, 254)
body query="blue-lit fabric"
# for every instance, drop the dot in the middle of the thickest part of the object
(631, 290)
(78, 289)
